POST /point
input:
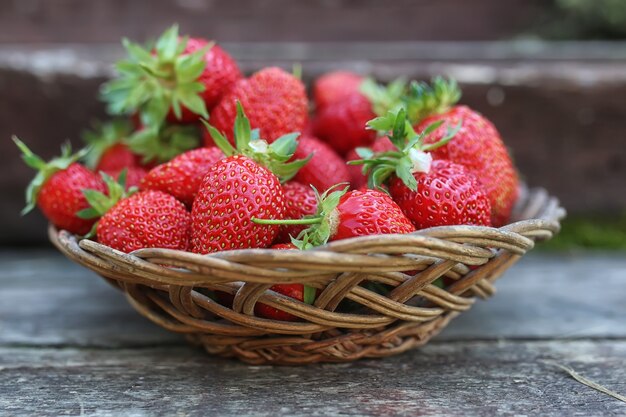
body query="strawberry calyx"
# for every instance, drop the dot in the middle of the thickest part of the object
(100, 203)
(423, 99)
(44, 169)
(274, 156)
(323, 224)
(419, 99)
(151, 81)
(411, 155)
(164, 142)
(384, 98)
(103, 136)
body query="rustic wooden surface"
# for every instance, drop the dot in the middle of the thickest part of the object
(70, 345)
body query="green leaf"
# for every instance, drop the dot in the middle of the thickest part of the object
(219, 139)
(88, 213)
(403, 171)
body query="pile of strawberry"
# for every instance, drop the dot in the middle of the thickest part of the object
(203, 159)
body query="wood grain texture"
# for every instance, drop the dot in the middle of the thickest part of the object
(70, 345)
(270, 20)
(452, 379)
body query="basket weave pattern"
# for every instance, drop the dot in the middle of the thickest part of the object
(169, 287)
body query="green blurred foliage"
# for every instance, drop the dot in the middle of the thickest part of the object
(585, 19)
(590, 232)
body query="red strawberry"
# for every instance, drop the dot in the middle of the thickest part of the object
(357, 178)
(57, 189)
(182, 77)
(478, 147)
(108, 149)
(477, 144)
(325, 168)
(181, 177)
(335, 86)
(275, 102)
(300, 201)
(239, 188)
(148, 219)
(116, 158)
(430, 193)
(342, 124)
(446, 195)
(345, 214)
(220, 74)
(298, 292)
(134, 175)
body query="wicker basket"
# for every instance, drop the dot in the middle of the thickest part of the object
(174, 296)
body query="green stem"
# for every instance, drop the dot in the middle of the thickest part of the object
(314, 220)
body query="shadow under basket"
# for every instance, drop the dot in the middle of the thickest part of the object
(415, 306)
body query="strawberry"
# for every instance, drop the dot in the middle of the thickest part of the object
(116, 158)
(477, 145)
(300, 201)
(342, 124)
(446, 195)
(335, 86)
(134, 175)
(181, 177)
(148, 219)
(325, 168)
(298, 292)
(344, 214)
(275, 102)
(57, 188)
(108, 150)
(357, 178)
(430, 193)
(180, 77)
(244, 185)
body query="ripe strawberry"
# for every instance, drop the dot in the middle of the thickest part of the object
(116, 158)
(446, 195)
(181, 177)
(335, 86)
(275, 102)
(345, 214)
(430, 193)
(57, 188)
(134, 175)
(148, 219)
(298, 292)
(342, 124)
(477, 145)
(244, 185)
(300, 201)
(325, 168)
(479, 148)
(357, 178)
(182, 77)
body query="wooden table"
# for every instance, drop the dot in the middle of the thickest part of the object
(70, 345)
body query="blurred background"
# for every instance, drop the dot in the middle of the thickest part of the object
(551, 74)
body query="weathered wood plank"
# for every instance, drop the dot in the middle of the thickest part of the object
(98, 21)
(46, 300)
(452, 379)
